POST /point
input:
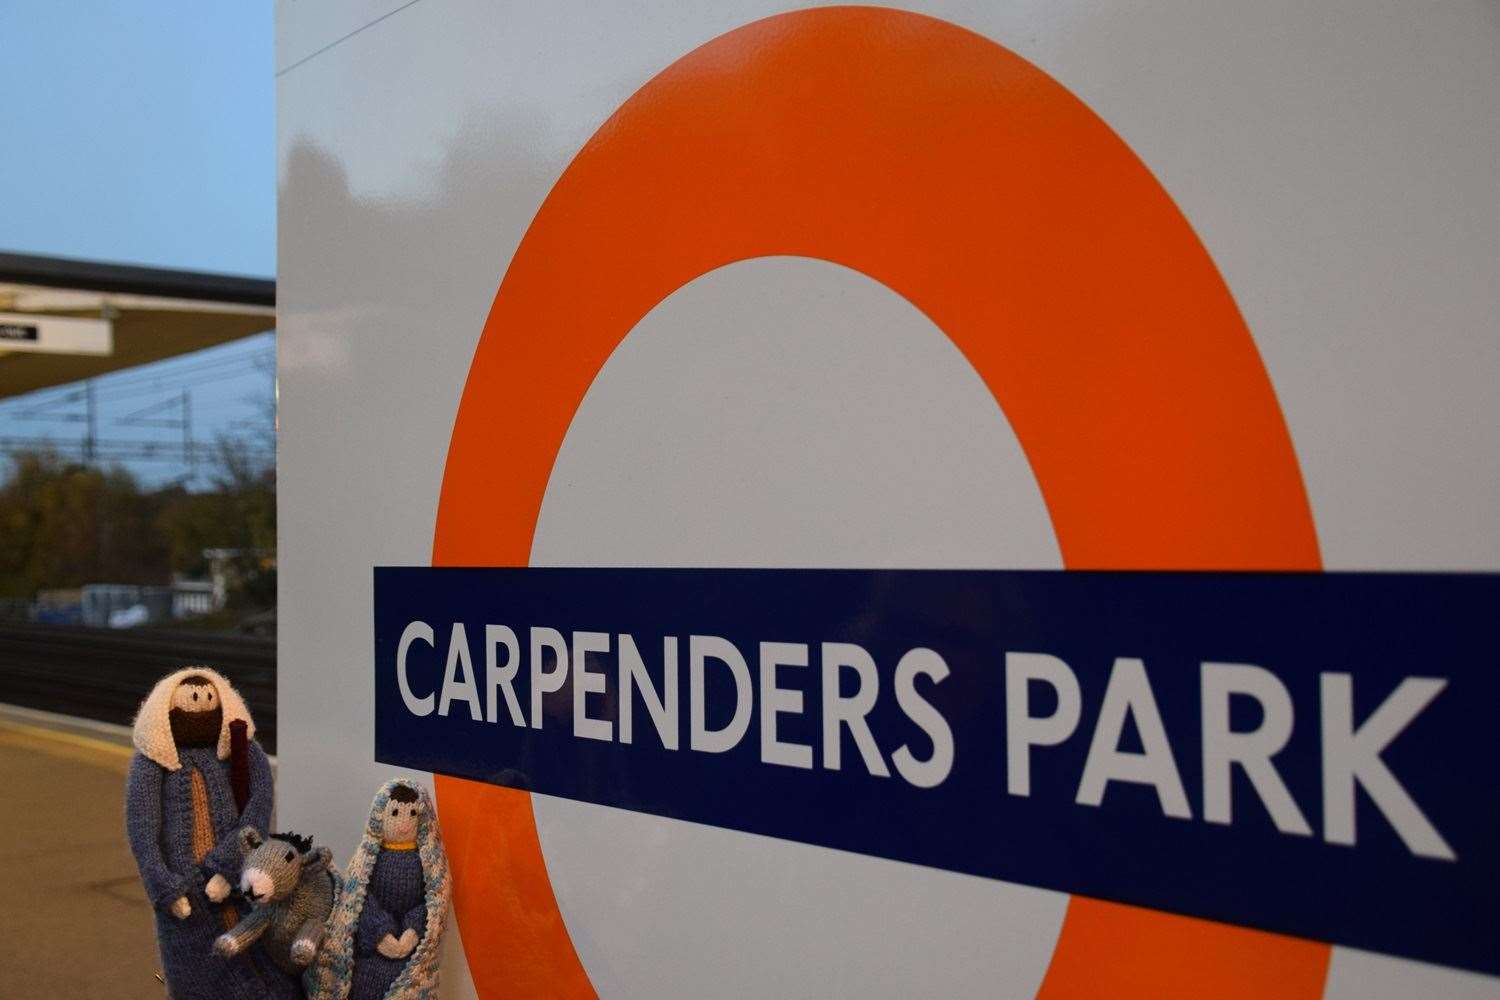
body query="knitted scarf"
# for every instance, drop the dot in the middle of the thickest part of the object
(332, 974)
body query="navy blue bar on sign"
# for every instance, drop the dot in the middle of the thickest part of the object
(1348, 793)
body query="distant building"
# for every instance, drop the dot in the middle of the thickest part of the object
(226, 568)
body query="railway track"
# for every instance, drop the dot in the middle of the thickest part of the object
(103, 674)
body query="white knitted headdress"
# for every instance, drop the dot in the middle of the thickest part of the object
(153, 724)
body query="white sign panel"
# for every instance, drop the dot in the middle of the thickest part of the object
(55, 334)
(977, 329)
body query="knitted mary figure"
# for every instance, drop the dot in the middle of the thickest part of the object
(383, 937)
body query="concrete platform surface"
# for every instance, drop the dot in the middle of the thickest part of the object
(77, 924)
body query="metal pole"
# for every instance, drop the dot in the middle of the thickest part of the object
(187, 434)
(91, 435)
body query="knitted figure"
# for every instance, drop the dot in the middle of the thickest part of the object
(292, 889)
(384, 935)
(182, 817)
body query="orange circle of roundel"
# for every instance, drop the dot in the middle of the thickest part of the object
(971, 183)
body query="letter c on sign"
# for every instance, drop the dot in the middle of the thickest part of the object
(414, 631)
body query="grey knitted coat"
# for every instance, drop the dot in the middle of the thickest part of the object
(159, 825)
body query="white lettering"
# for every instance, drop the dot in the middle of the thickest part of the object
(414, 631)
(462, 687)
(776, 701)
(1129, 693)
(501, 677)
(585, 683)
(545, 682)
(1024, 730)
(662, 708)
(700, 649)
(1251, 749)
(932, 771)
(1352, 757)
(850, 711)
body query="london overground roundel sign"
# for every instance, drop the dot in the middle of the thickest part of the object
(1185, 728)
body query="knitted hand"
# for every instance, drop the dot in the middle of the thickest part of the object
(228, 946)
(408, 940)
(217, 889)
(303, 951)
(390, 947)
(182, 909)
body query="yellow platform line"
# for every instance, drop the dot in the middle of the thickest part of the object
(72, 746)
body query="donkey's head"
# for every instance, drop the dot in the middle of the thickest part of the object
(274, 864)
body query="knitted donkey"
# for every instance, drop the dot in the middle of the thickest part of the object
(292, 888)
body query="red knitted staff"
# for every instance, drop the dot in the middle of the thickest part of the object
(239, 763)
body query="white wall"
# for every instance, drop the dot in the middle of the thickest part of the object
(1338, 159)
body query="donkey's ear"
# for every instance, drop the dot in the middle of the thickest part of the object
(250, 839)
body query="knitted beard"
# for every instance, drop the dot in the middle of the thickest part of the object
(196, 729)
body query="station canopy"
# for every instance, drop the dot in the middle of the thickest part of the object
(62, 320)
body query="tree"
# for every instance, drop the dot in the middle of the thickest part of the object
(248, 486)
(63, 524)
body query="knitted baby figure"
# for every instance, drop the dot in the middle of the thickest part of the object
(186, 797)
(384, 935)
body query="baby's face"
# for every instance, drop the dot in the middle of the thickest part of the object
(399, 825)
(195, 697)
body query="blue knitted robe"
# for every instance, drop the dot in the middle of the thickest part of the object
(395, 902)
(159, 823)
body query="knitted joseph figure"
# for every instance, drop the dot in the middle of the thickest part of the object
(183, 816)
(384, 934)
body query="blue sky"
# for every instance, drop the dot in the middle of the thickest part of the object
(143, 132)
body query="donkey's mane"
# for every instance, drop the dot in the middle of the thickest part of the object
(301, 843)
